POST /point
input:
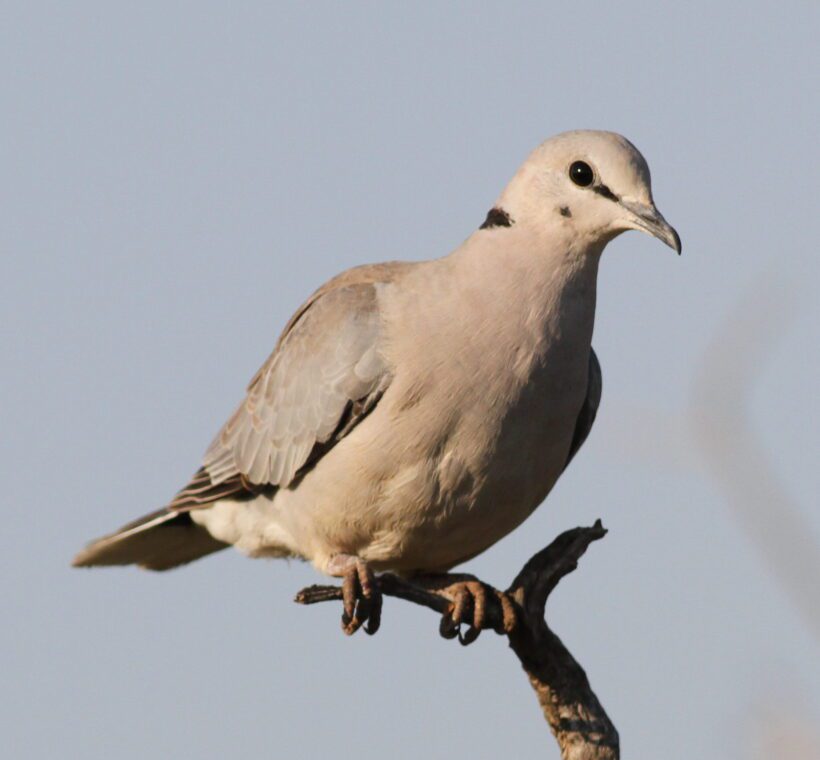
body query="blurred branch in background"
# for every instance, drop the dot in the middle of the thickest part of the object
(780, 731)
(738, 460)
(725, 442)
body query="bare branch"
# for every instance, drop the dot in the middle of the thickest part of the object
(575, 716)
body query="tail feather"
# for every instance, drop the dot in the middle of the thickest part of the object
(159, 541)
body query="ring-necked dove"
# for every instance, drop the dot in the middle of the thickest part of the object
(412, 414)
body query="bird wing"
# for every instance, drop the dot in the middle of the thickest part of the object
(325, 375)
(588, 409)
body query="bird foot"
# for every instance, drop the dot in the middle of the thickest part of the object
(471, 605)
(361, 596)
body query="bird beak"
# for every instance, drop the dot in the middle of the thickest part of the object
(646, 218)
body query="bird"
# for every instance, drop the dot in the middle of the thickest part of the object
(414, 413)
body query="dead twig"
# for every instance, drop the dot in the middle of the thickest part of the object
(575, 716)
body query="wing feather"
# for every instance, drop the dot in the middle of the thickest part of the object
(325, 375)
(328, 360)
(589, 409)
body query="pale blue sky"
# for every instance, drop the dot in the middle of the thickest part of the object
(176, 177)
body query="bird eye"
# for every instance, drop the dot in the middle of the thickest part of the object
(581, 173)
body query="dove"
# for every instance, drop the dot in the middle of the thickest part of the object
(414, 413)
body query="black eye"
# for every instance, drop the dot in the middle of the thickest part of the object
(581, 173)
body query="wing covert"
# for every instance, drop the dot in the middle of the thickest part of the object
(324, 376)
(589, 409)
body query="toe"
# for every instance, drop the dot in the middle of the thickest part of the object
(349, 589)
(367, 580)
(361, 598)
(471, 606)
(509, 617)
(351, 600)
(479, 595)
(374, 616)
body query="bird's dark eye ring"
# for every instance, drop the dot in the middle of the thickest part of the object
(580, 172)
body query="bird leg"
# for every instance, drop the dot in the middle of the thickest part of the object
(470, 600)
(461, 599)
(361, 596)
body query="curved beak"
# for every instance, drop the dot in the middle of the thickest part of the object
(647, 218)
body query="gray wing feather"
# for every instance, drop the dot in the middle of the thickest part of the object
(589, 408)
(324, 375)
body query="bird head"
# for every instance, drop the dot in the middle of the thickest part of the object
(597, 182)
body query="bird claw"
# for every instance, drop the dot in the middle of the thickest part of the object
(362, 599)
(471, 600)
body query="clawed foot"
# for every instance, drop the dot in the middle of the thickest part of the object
(361, 597)
(468, 601)
(471, 602)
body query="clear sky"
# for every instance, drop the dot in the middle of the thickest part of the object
(176, 177)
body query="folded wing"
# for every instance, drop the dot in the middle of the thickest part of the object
(325, 375)
(589, 409)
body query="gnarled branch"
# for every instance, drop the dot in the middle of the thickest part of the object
(575, 716)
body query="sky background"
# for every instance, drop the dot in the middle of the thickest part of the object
(175, 178)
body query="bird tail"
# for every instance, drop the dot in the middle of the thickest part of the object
(159, 541)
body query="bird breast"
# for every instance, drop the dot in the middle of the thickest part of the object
(483, 418)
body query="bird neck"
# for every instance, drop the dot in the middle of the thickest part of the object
(533, 284)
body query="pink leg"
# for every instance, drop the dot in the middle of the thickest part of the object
(361, 596)
(470, 599)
